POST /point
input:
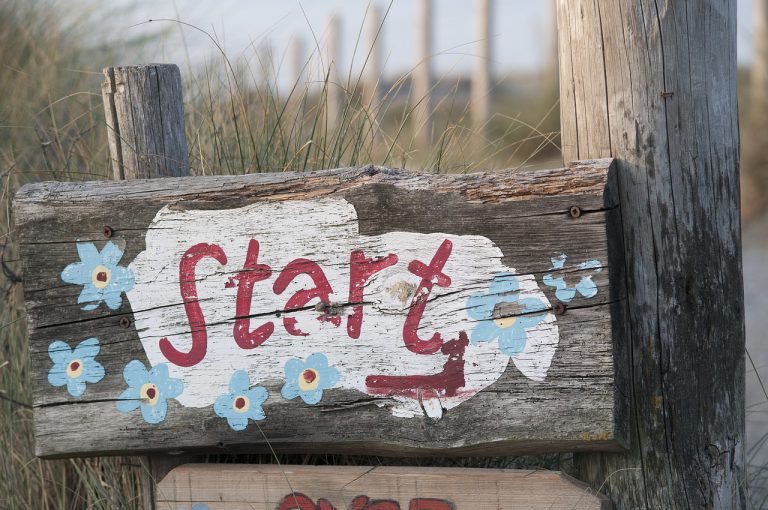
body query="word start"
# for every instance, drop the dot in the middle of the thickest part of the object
(361, 269)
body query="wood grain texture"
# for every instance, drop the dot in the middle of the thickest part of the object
(145, 120)
(653, 84)
(232, 486)
(525, 214)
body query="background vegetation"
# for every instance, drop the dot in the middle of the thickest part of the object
(52, 128)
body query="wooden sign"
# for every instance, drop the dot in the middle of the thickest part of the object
(366, 310)
(265, 487)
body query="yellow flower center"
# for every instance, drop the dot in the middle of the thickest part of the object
(150, 394)
(309, 379)
(75, 368)
(241, 404)
(505, 322)
(100, 276)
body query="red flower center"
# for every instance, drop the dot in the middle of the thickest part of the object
(101, 276)
(239, 402)
(74, 366)
(309, 375)
(151, 393)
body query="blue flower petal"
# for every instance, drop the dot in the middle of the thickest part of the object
(559, 261)
(565, 294)
(86, 350)
(257, 395)
(512, 340)
(113, 299)
(128, 400)
(223, 405)
(57, 376)
(591, 264)
(587, 287)
(77, 273)
(317, 361)
(60, 352)
(533, 305)
(154, 413)
(480, 306)
(110, 254)
(90, 294)
(504, 283)
(135, 374)
(122, 279)
(88, 254)
(290, 390)
(93, 372)
(485, 331)
(293, 368)
(329, 376)
(76, 386)
(529, 321)
(312, 397)
(237, 421)
(240, 382)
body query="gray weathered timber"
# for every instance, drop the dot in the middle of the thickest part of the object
(145, 117)
(653, 84)
(238, 486)
(529, 216)
(144, 110)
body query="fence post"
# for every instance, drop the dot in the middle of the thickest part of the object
(481, 77)
(656, 88)
(145, 118)
(421, 78)
(334, 91)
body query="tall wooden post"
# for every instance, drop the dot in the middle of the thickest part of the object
(481, 77)
(334, 91)
(298, 62)
(145, 118)
(654, 85)
(372, 73)
(421, 90)
(755, 167)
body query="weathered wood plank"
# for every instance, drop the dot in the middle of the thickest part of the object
(653, 84)
(510, 372)
(232, 486)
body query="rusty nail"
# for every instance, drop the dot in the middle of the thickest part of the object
(108, 231)
(558, 308)
(666, 94)
(574, 211)
(125, 322)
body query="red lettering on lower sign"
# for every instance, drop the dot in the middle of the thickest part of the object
(297, 501)
(430, 275)
(192, 308)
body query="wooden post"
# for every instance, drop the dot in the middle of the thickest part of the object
(654, 85)
(481, 77)
(334, 91)
(373, 63)
(421, 89)
(145, 117)
(144, 108)
(755, 167)
(298, 63)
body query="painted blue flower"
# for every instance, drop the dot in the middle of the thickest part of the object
(75, 368)
(102, 279)
(242, 402)
(197, 506)
(308, 379)
(585, 286)
(148, 389)
(504, 315)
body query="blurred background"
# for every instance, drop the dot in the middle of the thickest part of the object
(448, 86)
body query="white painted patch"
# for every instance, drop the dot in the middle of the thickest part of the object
(325, 231)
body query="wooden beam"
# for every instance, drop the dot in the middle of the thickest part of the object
(265, 487)
(144, 109)
(481, 318)
(654, 85)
